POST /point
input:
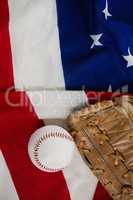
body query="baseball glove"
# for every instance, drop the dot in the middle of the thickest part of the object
(103, 133)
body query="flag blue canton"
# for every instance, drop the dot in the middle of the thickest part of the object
(96, 40)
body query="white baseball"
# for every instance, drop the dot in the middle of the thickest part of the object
(51, 148)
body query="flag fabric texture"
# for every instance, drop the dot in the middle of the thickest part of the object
(58, 46)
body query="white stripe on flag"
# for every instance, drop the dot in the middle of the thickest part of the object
(80, 180)
(35, 44)
(7, 188)
(56, 104)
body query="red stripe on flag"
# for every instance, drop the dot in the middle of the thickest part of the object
(6, 70)
(101, 193)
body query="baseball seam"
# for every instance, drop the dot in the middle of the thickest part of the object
(40, 141)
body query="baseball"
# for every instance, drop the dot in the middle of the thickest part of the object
(51, 148)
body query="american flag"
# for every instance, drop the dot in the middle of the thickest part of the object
(52, 46)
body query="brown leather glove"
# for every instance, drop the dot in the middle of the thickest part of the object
(103, 133)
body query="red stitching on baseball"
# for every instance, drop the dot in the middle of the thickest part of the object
(40, 141)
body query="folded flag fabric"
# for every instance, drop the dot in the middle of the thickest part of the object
(71, 44)
(56, 45)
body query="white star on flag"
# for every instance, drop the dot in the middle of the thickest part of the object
(129, 58)
(110, 88)
(106, 11)
(96, 39)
